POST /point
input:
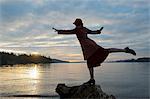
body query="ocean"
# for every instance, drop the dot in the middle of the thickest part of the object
(124, 80)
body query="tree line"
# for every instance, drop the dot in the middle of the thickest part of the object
(11, 59)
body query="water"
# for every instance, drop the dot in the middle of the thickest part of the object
(123, 80)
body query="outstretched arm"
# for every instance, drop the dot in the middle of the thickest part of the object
(64, 31)
(95, 32)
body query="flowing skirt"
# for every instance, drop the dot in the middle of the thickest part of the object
(98, 57)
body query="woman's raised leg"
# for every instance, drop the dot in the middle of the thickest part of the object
(126, 50)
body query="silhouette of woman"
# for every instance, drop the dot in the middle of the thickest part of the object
(93, 53)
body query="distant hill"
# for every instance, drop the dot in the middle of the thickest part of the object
(12, 59)
(143, 59)
(58, 61)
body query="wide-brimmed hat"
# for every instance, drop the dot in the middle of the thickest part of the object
(78, 22)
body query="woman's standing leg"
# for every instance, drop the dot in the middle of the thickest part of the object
(91, 70)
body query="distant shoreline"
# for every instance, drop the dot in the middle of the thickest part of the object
(143, 59)
(13, 59)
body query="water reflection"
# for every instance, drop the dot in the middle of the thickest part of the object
(20, 79)
(119, 79)
(33, 72)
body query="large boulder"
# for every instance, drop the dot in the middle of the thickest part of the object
(84, 91)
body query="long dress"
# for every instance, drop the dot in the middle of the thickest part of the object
(93, 53)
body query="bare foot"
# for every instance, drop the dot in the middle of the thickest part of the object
(131, 51)
(91, 82)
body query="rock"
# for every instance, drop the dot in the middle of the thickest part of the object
(84, 91)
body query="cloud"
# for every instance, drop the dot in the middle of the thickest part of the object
(14, 9)
(28, 23)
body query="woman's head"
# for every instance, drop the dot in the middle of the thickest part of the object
(78, 22)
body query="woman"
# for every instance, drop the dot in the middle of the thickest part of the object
(93, 53)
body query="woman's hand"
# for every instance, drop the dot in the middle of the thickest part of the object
(101, 29)
(56, 30)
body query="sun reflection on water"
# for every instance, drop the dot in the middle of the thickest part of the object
(33, 72)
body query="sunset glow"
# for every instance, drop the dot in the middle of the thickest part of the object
(35, 53)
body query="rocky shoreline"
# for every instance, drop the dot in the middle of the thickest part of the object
(84, 91)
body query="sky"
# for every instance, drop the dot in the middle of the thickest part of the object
(26, 26)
